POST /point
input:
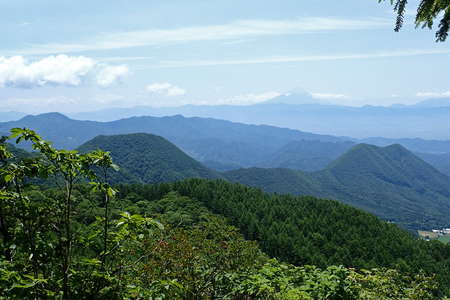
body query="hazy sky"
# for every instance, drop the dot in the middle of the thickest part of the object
(81, 55)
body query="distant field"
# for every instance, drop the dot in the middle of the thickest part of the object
(445, 239)
(428, 234)
(434, 236)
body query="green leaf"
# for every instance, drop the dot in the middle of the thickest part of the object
(8, 178)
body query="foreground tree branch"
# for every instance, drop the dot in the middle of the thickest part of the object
(427, 13)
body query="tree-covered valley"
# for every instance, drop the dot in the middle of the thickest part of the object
(390, 182)
(95, 225)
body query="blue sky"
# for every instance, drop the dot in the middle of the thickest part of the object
(87, 55)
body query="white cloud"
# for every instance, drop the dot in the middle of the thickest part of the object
(231, 31)
(53, 70)
(244, 99)
(124, 58)
(433, 94)
(166, 89)
(59, 70)
(111, 74)
(306, 58)
(33, 102)
(328, 96)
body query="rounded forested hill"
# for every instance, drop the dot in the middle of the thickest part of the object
(147, 158)
(390, 182)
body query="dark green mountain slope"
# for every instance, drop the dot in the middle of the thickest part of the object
(277, 180)
(390, 182)
(146, 158)
(307, 230)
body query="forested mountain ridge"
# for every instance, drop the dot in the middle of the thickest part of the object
(390, 182)
(169, 126)
(202, 138)
(147, 158)
(61, 130)
(391, 162)
(222, 144)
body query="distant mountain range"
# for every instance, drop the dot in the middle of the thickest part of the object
(436, 102)
(427, 119)
(6, 116)
(224, 145)
(202, 138)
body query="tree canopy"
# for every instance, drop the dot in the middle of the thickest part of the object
(427, 12)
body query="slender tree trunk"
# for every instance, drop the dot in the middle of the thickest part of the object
(68, 242)
(3, 227)
(5, 235)
(105, 229)
(105, 232)
(30, 233)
